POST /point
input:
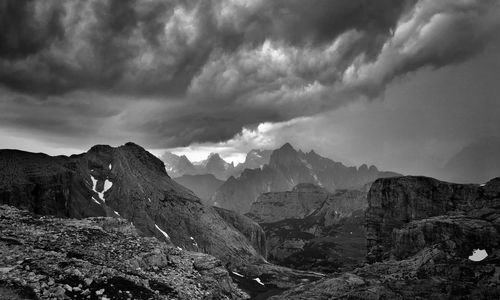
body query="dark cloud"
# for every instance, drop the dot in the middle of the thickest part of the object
(203, 70)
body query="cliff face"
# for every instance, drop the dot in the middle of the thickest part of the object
(395, 202)
(311, 229)
(94, 258)
(126, 181)
(421, 234)
(250, 229)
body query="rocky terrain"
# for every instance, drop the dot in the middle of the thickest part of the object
(126, 181)
(310, 228)
(287, 168)
(100, 258)
(203, 186)
(421, 234)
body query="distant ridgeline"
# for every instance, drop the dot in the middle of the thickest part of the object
(268, 171)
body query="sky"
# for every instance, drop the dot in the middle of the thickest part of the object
(399, 84)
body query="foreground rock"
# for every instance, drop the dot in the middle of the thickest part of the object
(310, 228)
(100, 258)
(422, 233)
(125, 181)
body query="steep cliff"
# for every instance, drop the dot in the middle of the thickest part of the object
(126, 181)
(429, 230)
(395, 202)
(311, 229)
(250, 229)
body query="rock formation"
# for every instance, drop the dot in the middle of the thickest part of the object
(287, 168)
(100, 258)
(311, 229)
(395, 202)
(421, 234)
(126, 181)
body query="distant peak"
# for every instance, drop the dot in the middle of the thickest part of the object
(287, 147)
(131, 144)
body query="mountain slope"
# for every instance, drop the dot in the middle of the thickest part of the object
(126, 181)
(204, 185)
(287, 168)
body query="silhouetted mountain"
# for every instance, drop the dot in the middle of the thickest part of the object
(475, 163)
(178, 166)
(126, 182)
(204, 186)
(287, 168)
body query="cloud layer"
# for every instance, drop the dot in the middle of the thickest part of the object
(170, 73)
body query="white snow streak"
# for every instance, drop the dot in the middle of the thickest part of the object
(258, 281)
(237, 274)
(163, 232)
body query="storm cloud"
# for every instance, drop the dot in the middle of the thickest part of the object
(171, 73)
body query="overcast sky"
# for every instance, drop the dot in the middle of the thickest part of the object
(399, 84)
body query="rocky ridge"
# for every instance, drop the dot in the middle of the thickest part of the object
(100, 258)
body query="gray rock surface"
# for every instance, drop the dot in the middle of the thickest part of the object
(100, 258)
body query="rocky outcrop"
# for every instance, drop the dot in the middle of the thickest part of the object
(250, 229)
(431, 274)
(100, 258)
(395, 202)
(203, 186)
(422, 233)
(309, 228)
(287, 168)
(126, 181)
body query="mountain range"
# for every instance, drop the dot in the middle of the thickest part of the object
(111, 223)
(288, 167)
(178, 166)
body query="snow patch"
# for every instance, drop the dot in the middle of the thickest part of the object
(107, 185)
(194, 242)
(116, 212)
(149, 199)
(110, 166)
(94, 188)
(163, 232)
(258, 281)
(478, 255)
(482, 184)
(179, 248)
(93, 198)
(237, 274)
